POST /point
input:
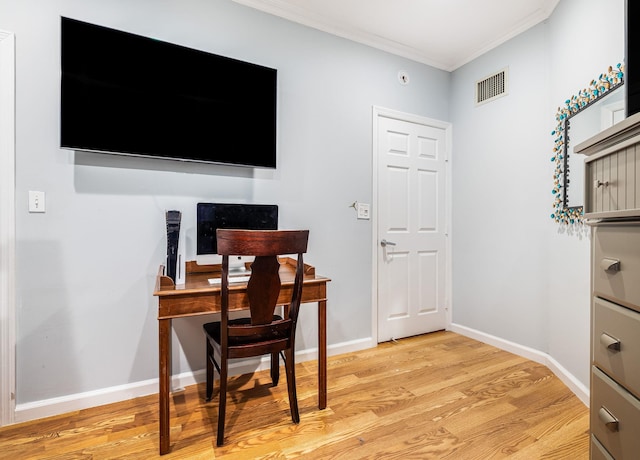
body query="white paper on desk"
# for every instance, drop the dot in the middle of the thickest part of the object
(232, 280)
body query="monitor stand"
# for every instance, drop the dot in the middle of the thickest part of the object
(237, 265)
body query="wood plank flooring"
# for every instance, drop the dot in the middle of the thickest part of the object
(436, 396)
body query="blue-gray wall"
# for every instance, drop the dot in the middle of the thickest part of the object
(85, 269)
(518, 275)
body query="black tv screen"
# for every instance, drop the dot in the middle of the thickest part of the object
(632, 57)
(127, 94)
(212, 216)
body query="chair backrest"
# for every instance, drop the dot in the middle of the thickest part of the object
(263, 288)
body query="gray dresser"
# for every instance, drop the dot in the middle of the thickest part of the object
(612, 208)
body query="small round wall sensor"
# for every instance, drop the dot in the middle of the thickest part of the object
(403, 77)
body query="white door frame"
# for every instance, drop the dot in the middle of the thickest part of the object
(7, 229)
(411, 118)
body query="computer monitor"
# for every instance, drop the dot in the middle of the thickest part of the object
(212, 216)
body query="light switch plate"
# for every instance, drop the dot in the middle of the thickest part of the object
(363, 210)
(36, 201)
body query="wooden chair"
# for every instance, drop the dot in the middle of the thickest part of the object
(264, 332)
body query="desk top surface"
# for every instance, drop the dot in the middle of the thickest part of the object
(197, 279)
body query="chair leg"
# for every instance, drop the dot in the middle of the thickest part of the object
(223, 400)
(209, 385)
(275, 368)
(290, 367)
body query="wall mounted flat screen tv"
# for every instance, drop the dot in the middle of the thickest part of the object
(126, 94)
(632, 57)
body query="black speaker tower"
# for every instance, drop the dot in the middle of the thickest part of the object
(173, 235)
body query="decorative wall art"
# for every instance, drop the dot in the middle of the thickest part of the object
(563, 212)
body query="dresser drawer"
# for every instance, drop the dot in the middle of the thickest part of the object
(616, 263)
(615, 416)
(611, 183)
(616, 343)
(597, 451)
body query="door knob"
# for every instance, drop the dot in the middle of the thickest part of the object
(384, 243)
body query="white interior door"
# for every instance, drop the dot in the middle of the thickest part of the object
(412, 247)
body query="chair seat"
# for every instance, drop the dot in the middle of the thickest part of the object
(213, 331)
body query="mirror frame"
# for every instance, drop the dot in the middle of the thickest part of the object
(605, 83)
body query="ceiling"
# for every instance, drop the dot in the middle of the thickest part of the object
(445, 34)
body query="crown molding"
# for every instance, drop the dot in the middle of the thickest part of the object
(305, 16)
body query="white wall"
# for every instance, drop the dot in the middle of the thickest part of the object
(499, 195)
(578, 54)
(516, 274)
(86, 317)
(86, 268)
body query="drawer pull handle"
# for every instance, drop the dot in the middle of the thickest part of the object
(610, 265)
(608, 419)
(610, 342)
(598, 183)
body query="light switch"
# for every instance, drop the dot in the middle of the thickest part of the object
(363, 210)
(36, 201)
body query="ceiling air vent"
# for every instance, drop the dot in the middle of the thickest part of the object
(492, 87)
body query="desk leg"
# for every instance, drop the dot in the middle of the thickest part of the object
(322, 354)
(164, 352)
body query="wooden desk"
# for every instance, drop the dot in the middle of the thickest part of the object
(198, 297)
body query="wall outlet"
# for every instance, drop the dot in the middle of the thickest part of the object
(363, 210)
(36, 201)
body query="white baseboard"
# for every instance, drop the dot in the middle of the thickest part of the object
(577, 387)
(69, 403)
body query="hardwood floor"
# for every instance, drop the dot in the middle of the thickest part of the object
(436, 396)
